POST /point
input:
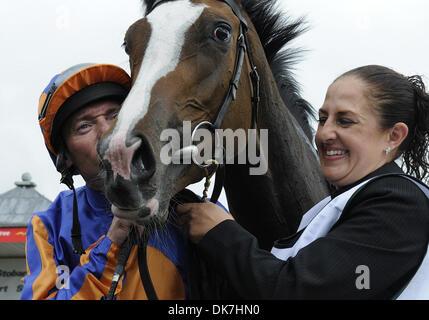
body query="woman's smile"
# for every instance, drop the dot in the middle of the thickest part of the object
(333, 154)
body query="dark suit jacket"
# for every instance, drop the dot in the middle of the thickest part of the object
(385, 228)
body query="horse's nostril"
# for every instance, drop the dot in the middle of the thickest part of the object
(143, 161)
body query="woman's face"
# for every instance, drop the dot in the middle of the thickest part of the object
(349, 140)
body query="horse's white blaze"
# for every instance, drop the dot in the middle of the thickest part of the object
(169, 23)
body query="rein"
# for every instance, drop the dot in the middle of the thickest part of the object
(134, 239)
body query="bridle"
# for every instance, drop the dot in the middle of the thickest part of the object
(242, 48)
(189, 151)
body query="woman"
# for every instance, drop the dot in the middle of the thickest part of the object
(369, 238)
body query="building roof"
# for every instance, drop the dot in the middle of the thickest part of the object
(18, 205)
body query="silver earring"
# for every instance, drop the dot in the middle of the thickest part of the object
(387, 151)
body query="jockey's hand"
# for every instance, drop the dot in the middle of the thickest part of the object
(119, 230)
(197, 219)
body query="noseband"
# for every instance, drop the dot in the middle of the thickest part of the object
(242, 48)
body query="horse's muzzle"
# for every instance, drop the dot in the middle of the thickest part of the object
(126, 168)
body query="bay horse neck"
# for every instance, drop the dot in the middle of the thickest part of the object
(270, 206)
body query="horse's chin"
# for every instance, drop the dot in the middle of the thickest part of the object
(148, 214)
(148, 204)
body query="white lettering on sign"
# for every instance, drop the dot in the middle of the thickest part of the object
(4, 233)
(12, 272)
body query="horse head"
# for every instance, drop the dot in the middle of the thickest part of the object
(183, 57)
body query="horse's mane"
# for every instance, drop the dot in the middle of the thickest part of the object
(275, 31)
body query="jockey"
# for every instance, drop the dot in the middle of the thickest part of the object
(73, 247)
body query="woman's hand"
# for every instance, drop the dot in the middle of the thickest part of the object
(197, 219)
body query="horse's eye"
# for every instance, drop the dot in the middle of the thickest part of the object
(222, 33)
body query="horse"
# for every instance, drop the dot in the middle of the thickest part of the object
(187, 57)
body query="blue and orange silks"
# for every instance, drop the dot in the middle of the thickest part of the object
(55, 272)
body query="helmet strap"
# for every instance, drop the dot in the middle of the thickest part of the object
(67, 179)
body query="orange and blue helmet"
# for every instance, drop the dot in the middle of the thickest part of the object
(73, 89)
(66, 93)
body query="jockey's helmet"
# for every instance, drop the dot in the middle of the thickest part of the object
(73, 89)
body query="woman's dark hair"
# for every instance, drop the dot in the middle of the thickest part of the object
(398, 98)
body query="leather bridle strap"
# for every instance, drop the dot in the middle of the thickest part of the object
(237, 12)
(144, 269)
(233, 85)
(242, 48)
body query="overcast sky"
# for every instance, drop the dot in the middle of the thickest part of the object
(40, 38)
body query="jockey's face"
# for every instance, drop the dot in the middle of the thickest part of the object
(349, 140)
(82, 132)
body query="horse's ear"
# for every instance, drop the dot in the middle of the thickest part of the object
(146, 4)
